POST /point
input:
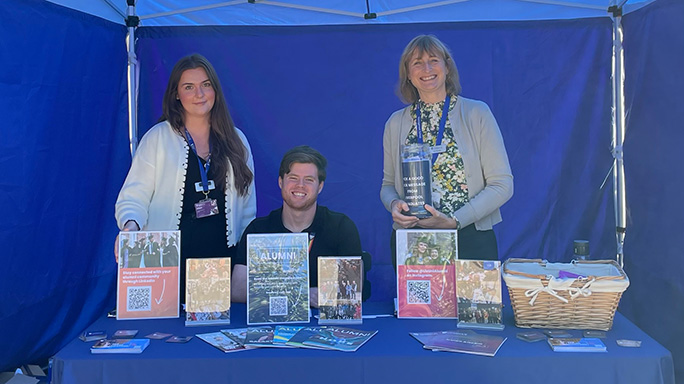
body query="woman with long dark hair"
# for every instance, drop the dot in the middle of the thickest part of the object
(193, 170)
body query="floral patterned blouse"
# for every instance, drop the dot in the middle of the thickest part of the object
(449, 185)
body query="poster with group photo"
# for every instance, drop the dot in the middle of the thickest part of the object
(426, 275)
(479, 294)
(339, 290)
(148, 279)
(207, 291)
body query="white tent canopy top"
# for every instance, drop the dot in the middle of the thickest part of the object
(327, 12)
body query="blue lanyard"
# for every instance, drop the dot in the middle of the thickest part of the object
(204, 170)
(442, 124)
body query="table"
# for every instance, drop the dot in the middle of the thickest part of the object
(391, 356)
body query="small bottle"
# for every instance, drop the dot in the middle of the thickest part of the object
(581, 249)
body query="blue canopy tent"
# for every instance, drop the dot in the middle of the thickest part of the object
(296, 72)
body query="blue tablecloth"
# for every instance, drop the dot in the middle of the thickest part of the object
(391, 356)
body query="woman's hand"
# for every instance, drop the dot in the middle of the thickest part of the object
(437, 220)
(130, 225)
(404, 221)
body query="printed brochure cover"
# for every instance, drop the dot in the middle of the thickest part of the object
(120, 346)
(587, 344)
(259, 336)
(283, 333)
(277, 278)
(237, 334)
(298, 339)
(426, 273)
(427, 337)
(148, 281)
(478, 288)
(222, 341)
(339, 290)
(207, 291)
(476, 344)
(339, 339)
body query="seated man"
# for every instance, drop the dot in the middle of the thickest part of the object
(301, 178)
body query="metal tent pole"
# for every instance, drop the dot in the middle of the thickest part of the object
(619, 197)
(132, 22)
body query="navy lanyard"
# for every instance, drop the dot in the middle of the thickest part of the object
(442, 124)
(204, 170)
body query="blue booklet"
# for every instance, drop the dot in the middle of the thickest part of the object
(339, 339)
(120, 346)
(277, 278)
(471, 343)
(570, 344)
(222, 341)
(302, 335)
(238, 334)
(283, 334)
(259, 336)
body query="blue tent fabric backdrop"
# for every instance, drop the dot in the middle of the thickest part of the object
(654, 55)
(333, 88)
(65, 152)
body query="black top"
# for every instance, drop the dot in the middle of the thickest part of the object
(333, 234)
(204, 237)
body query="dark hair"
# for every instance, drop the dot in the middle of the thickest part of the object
(421, 44)
(303, 154)
(227, 149)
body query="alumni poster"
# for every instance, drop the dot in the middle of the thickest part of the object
(277, 278)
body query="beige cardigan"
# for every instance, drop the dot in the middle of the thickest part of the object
(488, 173)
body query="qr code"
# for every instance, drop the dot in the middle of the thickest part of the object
(139, 299)
(277, 306)
(418, 291)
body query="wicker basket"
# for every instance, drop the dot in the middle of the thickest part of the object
(542, 300)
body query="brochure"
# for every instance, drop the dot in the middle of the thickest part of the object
(277, 278)
(570, 344)
(207, 291)
(259, 336)
(476, 344)
(283, 333)
(148, 280)
(339, 290)
(221, 341)
(427, 337)
(339, 339)
(120, 346)
(298, 339)
(478, 290)
(426, 274)
(239, 334)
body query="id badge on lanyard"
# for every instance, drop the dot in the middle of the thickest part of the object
(207, 206)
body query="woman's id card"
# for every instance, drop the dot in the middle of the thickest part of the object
(206, 207)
